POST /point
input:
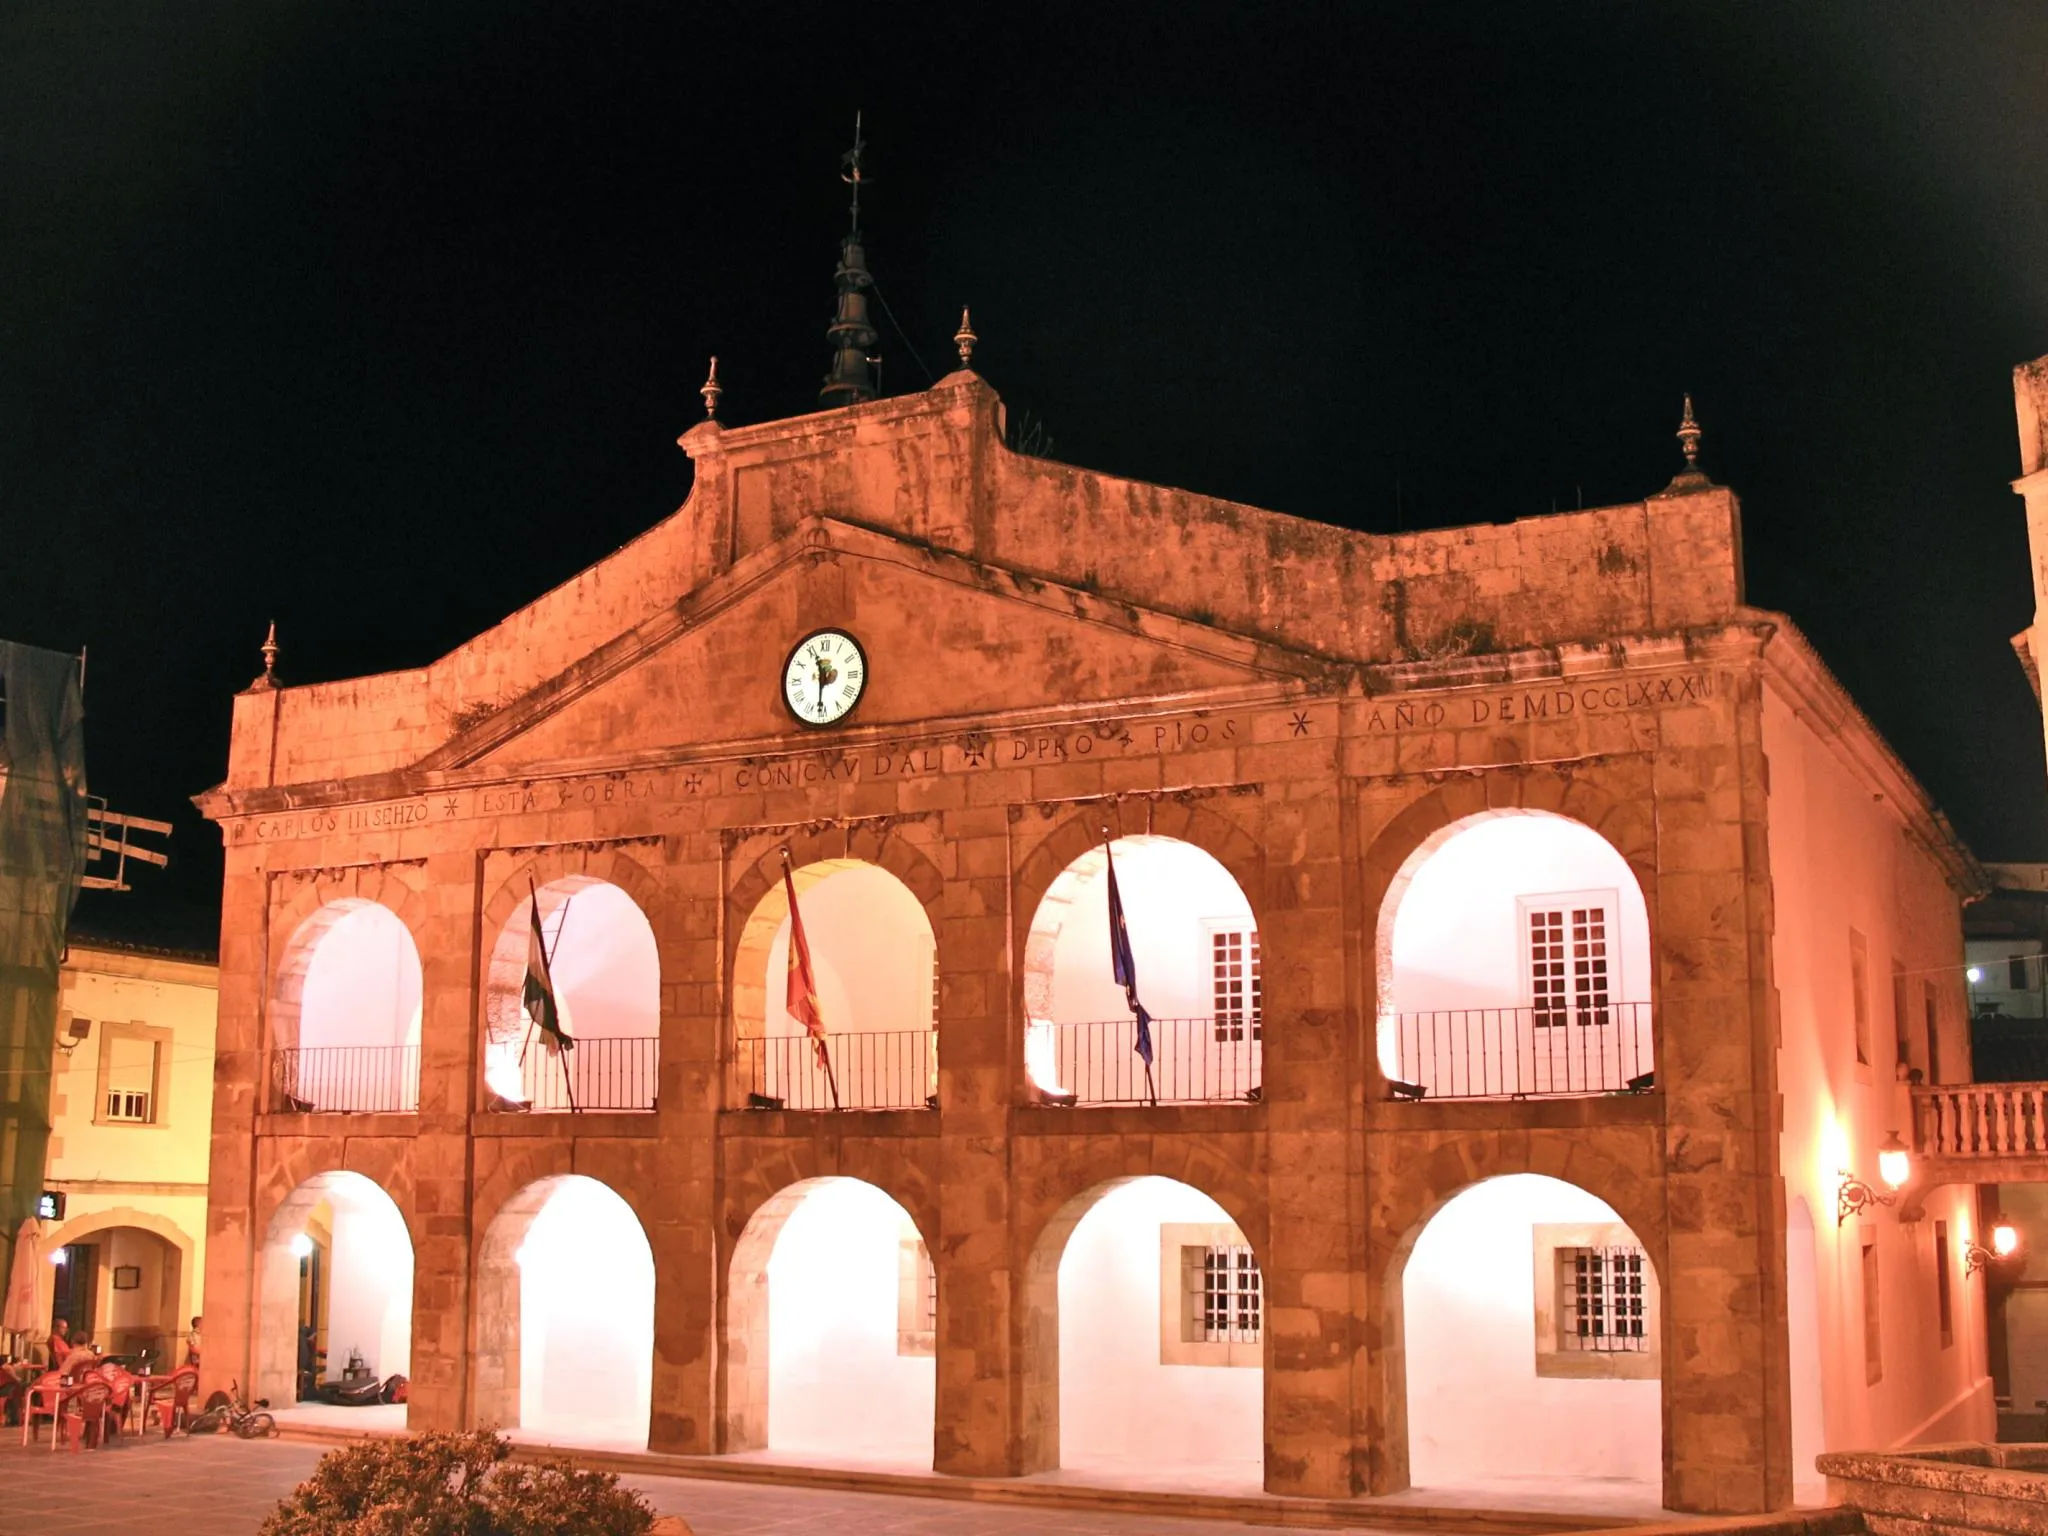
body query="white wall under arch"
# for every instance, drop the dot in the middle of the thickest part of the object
(1120, 1408)
(366, 1281)
(362, 983)
(837, 1386)
(1802, 1304)
(1477, 1409)
(586, 1318)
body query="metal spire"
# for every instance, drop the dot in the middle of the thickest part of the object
(964, 339)
(1689, 439)
(852, 378)
(711, 392)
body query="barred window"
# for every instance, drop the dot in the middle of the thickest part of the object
(1223, 1299)
(1234, 975)
(1602, 1300)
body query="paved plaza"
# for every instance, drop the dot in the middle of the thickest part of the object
(224, 1487)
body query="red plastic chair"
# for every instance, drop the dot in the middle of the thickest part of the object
(121, 1385)
(81, 1416)
(169, 1398)
(41, 1403)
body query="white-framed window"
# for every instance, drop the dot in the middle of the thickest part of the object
(1570, 958)
(1235, 1000)
(133, 1059)
(917, 1299)
(1212, 1301)
(1603, 1300)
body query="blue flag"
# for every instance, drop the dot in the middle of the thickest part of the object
(1122, 967)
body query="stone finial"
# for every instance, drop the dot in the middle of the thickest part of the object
(1689, 439)
(711, 392)
(964, 339)
(269, 650)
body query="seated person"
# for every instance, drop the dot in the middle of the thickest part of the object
(60, 1345)
(192, 1345)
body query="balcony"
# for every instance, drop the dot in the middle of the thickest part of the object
(347, 1079)
(1981, 1121)
(1194, 1061)
(1519, 1053)
(890, 1069)
(599, 1073)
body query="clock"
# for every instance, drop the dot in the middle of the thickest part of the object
(824, 677)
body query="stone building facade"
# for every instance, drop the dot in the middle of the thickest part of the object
(1052, 652)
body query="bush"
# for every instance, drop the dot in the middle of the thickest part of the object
(454, 1485)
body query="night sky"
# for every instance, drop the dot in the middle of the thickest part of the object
(382, 319)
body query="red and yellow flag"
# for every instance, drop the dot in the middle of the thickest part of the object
(801, 998)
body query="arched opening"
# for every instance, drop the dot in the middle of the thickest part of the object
(1515, 962)
(1195, 947)
(832, 1328)
(606, 970)
(1531, 1327)
(875, 963)
(565, 1317)
(123, 1279)
(1145, 1352)
(335, 1298)
(1802, 1320)
(348, 1014)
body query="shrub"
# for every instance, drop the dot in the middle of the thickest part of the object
(454, 1485)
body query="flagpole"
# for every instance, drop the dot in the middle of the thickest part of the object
(818, 1039)
(548, 952)
(1125, 966)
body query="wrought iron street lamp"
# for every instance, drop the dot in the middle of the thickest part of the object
(2005, 1242)
(1894, 1167)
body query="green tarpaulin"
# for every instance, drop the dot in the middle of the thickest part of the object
(42, 855)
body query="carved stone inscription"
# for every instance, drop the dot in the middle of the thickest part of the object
(1547, 701)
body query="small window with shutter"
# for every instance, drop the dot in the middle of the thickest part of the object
(133, 1062)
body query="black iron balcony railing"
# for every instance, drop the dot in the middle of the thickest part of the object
(893, 1069)
(346, 1079)
(1521, 1053)
(1194, 1061)
(599, 1073)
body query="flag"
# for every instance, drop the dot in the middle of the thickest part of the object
(1122, 967)
(539, 992)
(800, 998)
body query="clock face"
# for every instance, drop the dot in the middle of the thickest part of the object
(824, 677)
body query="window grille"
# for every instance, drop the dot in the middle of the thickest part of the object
(1229, 1302)
(1568, 967)
(129, 1104)
(1234, 972)
(1603, 1307)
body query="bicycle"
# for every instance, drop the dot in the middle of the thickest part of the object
(230, 1413)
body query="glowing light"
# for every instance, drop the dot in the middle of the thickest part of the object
(501, 1069)
(1975, 974)
(61, 1256)
(519, 1257)
(1041, 1055)
(301, 1245)
(2005, 1239)
(1894, 1163)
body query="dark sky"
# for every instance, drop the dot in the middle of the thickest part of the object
(383, 319)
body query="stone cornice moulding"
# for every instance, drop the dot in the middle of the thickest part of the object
(1818, 699)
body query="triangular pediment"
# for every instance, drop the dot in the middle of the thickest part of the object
(947, 639)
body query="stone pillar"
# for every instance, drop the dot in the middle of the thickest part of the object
(978, 1391)
(228, 1333)
(682, 1229)
(1727, 1420)
(1312, 1263)
(450, 965)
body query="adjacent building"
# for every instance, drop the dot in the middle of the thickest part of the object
(131, 1113)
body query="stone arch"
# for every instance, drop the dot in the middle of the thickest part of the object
(497, 1332)
(276, 1302)
(1408, 841)
(322, 899)
(745, 1388)
(628, 1075)
(1413, 1184)
(89, 1223)
(1065, 1196)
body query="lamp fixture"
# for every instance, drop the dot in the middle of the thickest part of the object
(2005, 1242)
(301, 1245)
(1894, 1167)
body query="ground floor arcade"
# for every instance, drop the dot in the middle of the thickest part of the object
(1163, 1318)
